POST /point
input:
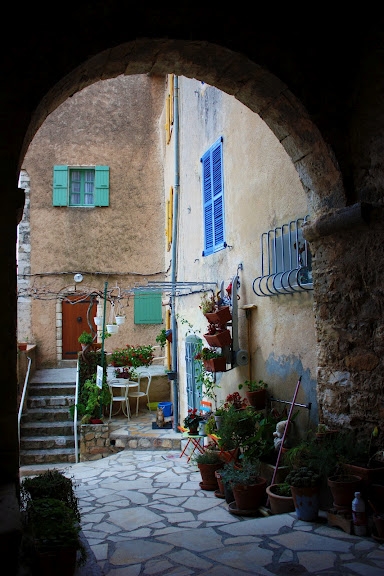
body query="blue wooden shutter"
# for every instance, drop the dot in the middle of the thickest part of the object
(192, 366)
(147, 308)
(102, 186)
(60, 186)
(213, 198)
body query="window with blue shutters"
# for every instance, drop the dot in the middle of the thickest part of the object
(147, 307)
(80, 186)
(213, 198)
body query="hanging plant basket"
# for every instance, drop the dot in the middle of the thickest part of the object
(215, 364)
(120, 320)
(221, 316)
(98, 320)
(219, 339)
(112, 328)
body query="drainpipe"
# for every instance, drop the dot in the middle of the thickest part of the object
(174, 250)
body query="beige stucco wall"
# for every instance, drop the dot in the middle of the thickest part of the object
(261, 190)
(118, 123)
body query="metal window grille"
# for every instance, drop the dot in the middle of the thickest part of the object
(286, 262)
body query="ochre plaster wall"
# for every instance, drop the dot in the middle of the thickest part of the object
(116, 123)
(261, 190)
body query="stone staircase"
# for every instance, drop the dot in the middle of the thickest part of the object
(46, 427)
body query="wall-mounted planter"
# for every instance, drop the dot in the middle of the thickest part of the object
(120, 320)
(222, 316)
(219, 339)
(215, 364)
(112, 328)
(98, 320)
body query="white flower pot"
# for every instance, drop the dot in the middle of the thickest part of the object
(98, 320)
(120, 320)
(112, 328)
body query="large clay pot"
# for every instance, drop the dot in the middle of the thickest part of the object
(279, 504)
(208, 477)
(343, 490)
(306, 501)
(369, 476)
(250, 496)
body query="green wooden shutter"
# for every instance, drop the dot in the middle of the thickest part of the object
(147, 308)
(60, 186)
(102, 186)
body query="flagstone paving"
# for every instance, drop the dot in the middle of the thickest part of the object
(143, 512)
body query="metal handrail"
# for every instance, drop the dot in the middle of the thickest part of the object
(21, 406)
(75, 412)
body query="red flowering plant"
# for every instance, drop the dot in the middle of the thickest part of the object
(236, 401)
(193, 419)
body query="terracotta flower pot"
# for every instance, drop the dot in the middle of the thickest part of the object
(221, 316)
(215, 364)
(257, 399)
(279, 504)
(219, 339)
(208, 477)
(250, 496)
(343, 490)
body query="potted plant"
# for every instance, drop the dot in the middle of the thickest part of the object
(248, 487)
(192, 421)
(51, 518)
(161, 338)
(85, 339)
(54, 535)
(112, 328)
(237, 427)
(305, 488)
(213, 360)
(218, 335)
(279, 498)
(213, 311)
(256, 392)
(91, 401)
(50, 484)
(208, 462)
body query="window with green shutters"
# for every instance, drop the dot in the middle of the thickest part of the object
(213, 198)
(80, 186)
(147, 308)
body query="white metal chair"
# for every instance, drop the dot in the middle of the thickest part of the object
(139, 393)
(118, 388)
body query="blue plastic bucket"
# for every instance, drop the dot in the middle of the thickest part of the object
(167, 408)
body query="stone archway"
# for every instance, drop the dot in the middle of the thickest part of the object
(232, 73)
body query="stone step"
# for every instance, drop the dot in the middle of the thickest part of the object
(36, 428)
(57, 414)
(51, 390)
(52, 456)
(46, 442)
(44, 402)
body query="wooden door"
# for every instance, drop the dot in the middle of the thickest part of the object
(74, 323)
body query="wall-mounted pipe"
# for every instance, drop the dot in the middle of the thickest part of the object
(176, 191)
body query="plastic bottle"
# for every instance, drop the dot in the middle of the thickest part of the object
(358, 515)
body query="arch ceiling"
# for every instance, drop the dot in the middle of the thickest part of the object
(234, 74)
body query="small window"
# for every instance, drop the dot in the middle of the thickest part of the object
(81, 186)
(147, 308)
(213, 199)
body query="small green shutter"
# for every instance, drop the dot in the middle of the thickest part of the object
(60, 186)
(102, 186)
(147, 308)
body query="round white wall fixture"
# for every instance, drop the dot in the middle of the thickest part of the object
(78, 277)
